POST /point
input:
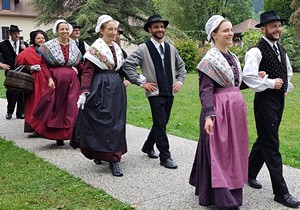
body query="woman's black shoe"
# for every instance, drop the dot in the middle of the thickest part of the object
(60, 143)
(98, 162)
(115, 169)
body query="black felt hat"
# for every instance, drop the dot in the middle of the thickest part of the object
(14, 28)
(155, 18)
(268, 17)
(73, 23)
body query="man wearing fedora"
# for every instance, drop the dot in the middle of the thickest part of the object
(270, 92)
(163, 72)
(82, 45)
(10, 49)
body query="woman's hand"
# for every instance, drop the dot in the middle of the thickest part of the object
(74, 68)
(209, 126)
(51, 83)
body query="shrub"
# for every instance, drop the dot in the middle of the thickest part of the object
(292, 46)
(188, 51)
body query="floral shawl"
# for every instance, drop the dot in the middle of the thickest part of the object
(53, 54)
(101, 55)
(215, 65)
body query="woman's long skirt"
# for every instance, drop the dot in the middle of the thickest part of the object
(32, 99)
(54, 116)
(220, 167)
(100, 126)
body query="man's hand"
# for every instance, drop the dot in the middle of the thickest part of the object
(4, 66)
(150, 86)
(261, 74)
(126, 83)
(177, 87)
(278, 83)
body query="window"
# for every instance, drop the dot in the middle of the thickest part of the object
(5, 33)
(6, 5)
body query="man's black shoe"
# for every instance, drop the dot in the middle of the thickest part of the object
(115, 169)
(151, 153)
(287, 200)
(168, 163)
(98, 162)
(20, 116)
(254, 183)
(8, 116)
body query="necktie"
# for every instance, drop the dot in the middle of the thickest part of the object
(275, 49)
(161, 49)
(15, 46)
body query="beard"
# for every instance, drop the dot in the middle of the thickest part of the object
(157, 35)
(271, 37)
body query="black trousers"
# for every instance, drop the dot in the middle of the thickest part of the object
(268, 109)
(13, 98)
(161, 109)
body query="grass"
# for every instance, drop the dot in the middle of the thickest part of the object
(28, 182)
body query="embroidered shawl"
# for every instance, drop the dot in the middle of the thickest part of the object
(53, 54)
(215, 65)
(101, 55)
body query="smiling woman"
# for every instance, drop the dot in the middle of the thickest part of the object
(54, 116)
(220, 168)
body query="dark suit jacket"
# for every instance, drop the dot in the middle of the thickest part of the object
(8, 53)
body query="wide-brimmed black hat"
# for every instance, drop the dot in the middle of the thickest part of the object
(73, 23)
(14, 28)
(268, 17)
(155, 18)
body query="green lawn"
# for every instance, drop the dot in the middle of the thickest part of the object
(30, 183)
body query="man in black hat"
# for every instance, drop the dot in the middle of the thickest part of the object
(82, 45)
(163, 72)
(10, 49)
(270, 92)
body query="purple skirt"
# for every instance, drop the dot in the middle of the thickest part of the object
(220, 167)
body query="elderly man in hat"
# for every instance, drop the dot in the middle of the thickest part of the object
(10, 49)
(270, 92)
(163, 72)
(82, 45)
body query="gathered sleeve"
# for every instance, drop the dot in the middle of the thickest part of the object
(206, 94)
(87, 75)
(45, 68)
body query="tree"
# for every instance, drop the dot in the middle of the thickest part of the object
(282, 7)
(295, 17)
(190, 16)
(258, 5)
(131, 14)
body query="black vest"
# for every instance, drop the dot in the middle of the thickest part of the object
(81, 47)
(164, 74)
(271, 65)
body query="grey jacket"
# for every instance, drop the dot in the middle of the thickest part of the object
(141, 57)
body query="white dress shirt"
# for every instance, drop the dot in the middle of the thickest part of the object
(250, 73)
(13, 45)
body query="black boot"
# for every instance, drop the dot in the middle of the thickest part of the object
(60, 143)
(115, 169)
